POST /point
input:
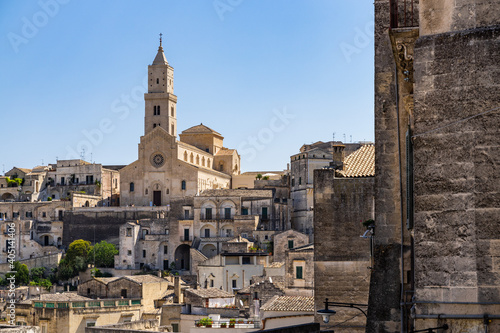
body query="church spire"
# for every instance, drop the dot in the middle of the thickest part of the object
(160, 58)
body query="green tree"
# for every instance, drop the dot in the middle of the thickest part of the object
(104, 254)
(259, 176)
(22, 274)
(76, 259)
(36, 274)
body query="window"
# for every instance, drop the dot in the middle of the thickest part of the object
(244, 235)
(90, 323)
(293, 181)
(89, 180)
(129, 252)
(264, 213)
(145, 232)
(62, 180)
(208, 213)
(154, 110)
(298, 272)
(266, 237)
(29, 214)
(154, 125)
(227, 213)
(15, 214)
(165, 249)
(175, 327)
(211, 283)
(44, 214)
(186, 214)
(129, 232)
(290, 244)
(157, 81)
(234, 283)
(207, 232)
(172, 111)
(158, 110)
(244, 211)
(229, 232)
(246, 261)
(144, 253)
(88, 291)
(166, 232)
(172, 129)
(146, 192)
(300, 180)
(183, 185)
(123, 293)
(131, 187)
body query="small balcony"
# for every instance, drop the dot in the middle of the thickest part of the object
(186, 239)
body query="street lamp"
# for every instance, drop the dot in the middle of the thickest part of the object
(326, 313)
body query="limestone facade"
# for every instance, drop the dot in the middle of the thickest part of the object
(168, 169)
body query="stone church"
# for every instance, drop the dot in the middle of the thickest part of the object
(168, 168)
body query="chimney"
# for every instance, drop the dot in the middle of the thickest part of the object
(177, 290)
(338, 155)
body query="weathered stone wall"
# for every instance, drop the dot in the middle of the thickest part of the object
(305, 259)
(341, 256)
(281, 243)
(457, 206)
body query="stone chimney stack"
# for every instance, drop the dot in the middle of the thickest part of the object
(177, 290)
(338, 155)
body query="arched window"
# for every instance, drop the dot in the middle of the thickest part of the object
(185, 156)
(191, 158)
(131, 187)
(197, 159)
(172, 111)
(157, 81)
(154, 108)
(172, 129)
(208, 163)
(146, 192)
(168, 191)
(158, 110)
(154, 125)
(183, 185)
(203, 161)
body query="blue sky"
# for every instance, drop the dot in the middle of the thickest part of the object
(268, 75)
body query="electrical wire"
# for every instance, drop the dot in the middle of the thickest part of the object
(456, 122)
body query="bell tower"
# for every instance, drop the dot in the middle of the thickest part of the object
(160, 101)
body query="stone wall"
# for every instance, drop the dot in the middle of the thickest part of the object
(456, 170)
(341, 256)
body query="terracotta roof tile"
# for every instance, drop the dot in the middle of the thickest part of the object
(200, 129)
(209, 293)
(290, 303)
(361, 163)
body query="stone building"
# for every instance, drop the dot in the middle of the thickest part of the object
(167, 168)
(299, 275)
(148, 288)
(283, 311)
(436, 209)
(287, 240)
(343, 200)
(311, 157)
(72, 313)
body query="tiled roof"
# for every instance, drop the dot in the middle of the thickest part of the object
(63, 297)
(200, 129)
(225, 151)
(308, 247)
(148, 278)
(209, 293)
(277, 281)
(237, 193)
(290, 303)
(361, 163)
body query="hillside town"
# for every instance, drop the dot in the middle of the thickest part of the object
(397, 235)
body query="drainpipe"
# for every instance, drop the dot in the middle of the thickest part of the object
(401, 198)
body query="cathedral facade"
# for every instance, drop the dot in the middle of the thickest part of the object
(168, 168)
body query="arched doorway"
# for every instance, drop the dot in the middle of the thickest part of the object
(182, 257)
(209, 250)
(8, 197)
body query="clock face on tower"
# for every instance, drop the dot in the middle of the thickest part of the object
(157, 160)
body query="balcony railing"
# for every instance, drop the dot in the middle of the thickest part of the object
(404, 13)
(186, 239)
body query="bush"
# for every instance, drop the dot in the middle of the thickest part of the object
(49, 199)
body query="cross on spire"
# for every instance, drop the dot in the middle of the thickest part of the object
(160, 37)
